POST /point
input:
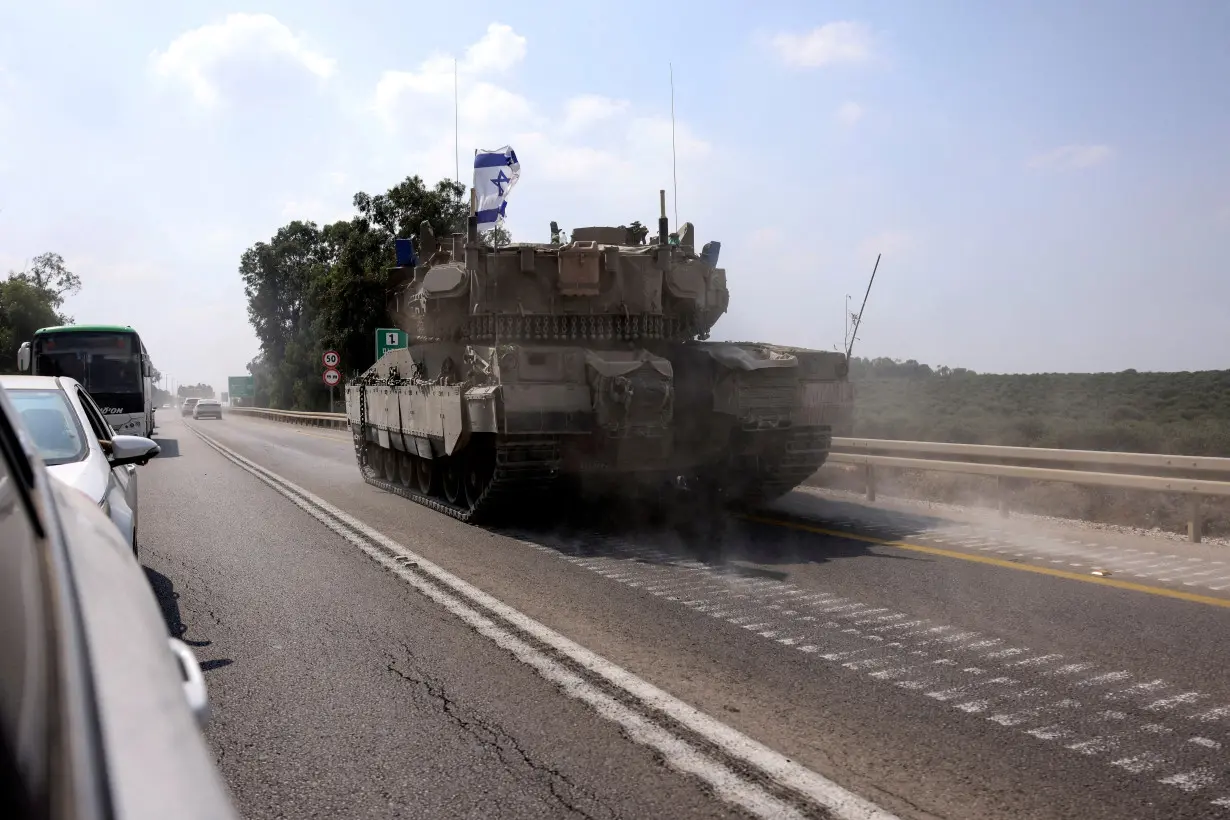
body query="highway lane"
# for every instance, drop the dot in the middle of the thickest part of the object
(341, 692)
(936, 687)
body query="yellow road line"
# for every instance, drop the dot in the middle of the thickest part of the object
(1190, 597)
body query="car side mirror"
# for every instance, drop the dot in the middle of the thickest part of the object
(132, 450)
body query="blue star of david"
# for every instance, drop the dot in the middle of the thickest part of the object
(499, 182)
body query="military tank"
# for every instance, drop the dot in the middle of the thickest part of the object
(587, 358)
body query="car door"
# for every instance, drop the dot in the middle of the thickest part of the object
(49, 737)
(122, 481)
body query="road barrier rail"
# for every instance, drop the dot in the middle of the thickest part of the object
(1194, 477)
(336, 420)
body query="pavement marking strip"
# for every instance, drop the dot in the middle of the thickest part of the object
(1191, 597)
(675, 750)
(910, 663)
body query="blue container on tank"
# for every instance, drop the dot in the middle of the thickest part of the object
(405, 253)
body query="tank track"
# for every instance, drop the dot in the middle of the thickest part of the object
(525, 466)
(802, 453)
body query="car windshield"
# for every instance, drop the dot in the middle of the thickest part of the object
(52, 423)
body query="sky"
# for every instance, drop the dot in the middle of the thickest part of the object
(1048, 182)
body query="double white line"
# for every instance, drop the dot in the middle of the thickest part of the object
(739, 769)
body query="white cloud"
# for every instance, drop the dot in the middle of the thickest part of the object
(849, 113)
(588, 109)
(629, 156)
(192, 58)
(498, 50)
(653, 135)
(1073, 156)
(839, 42)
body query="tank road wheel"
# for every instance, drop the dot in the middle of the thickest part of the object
(425, 474)
(375, 460)
(390, 465)
(453, 479)
(405, 469)
(478, 471)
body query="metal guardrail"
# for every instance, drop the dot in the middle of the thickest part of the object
(337, 420)
(1192, 476)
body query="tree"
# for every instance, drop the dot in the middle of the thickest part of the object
(24, 308)
(50, 276)
(498, 237)
(314, 288)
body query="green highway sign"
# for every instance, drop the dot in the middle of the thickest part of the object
(390, 338)
(241, 387)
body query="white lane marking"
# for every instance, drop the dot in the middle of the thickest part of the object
(1192, 781)
(1141, 763)
(910, 663)
(675, 750)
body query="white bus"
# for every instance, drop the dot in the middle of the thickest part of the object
(110, 361)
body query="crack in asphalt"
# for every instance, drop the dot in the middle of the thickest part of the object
(507, 748)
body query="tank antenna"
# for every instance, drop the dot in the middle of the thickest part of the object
(674, 170)
(859, 318)
(456, 126)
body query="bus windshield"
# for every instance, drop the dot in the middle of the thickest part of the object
(104, 363)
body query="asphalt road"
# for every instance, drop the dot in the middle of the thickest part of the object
(370, 658)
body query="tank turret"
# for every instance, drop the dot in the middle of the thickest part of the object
(601, 285)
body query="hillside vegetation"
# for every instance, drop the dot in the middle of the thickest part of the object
(1186, 412)
(1180, 413)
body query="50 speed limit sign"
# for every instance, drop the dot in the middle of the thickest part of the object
(331, 358)
(332, 376)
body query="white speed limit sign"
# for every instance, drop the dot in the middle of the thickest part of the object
(331, 358)
(332, 377)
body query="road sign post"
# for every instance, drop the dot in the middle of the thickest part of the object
(390, 338)
(332, 377)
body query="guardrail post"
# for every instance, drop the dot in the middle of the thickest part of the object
(869, 482)
(1002, 492)
(1195, 519)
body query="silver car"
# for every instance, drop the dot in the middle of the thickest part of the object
(80, 448)
(207, 408)
(99, 705)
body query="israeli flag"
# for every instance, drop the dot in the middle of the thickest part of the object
(495, 173)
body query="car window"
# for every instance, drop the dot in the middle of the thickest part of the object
(53, 424)
(102, 430)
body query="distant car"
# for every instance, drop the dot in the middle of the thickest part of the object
(186, 408)
(165, 406)
(207, 409)
(100, 707)
(79, 447)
